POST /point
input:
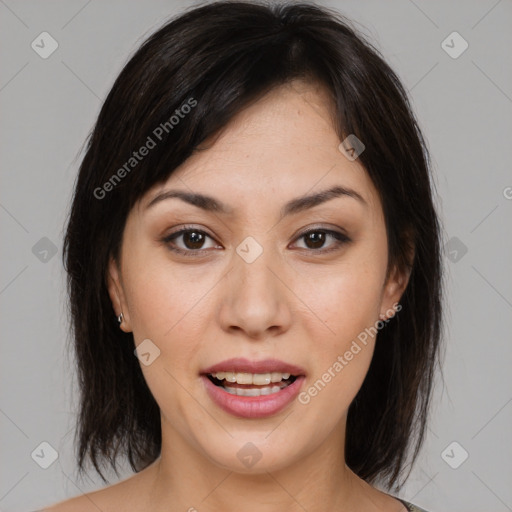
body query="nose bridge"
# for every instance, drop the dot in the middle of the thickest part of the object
(256, 300)
(252, 262)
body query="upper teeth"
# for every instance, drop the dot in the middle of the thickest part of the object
(259, 379)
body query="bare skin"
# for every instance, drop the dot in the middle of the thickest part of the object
(297, 302)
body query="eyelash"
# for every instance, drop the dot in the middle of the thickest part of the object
(340, 240)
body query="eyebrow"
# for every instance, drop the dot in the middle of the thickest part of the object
(293, 206)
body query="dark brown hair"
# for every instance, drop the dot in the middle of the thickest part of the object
(225, 55)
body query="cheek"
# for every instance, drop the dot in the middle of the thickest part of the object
(345, 300)
(171, 307)
(165, 306)
(343, 346)
(163, 297)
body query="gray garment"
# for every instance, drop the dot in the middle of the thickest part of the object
(410, 507)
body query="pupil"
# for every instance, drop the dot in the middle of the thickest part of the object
(317, 239)
(196, 240)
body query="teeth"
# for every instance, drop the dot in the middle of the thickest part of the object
(258, 379)
(262, 379)
(229, 376)
(269, 390)
(243, 378)
(276, 376)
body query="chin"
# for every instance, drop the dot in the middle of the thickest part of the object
(255, 453)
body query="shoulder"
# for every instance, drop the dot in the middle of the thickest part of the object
(82, 503)
(128, 494)
(109, 499)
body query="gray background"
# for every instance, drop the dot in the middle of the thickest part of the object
(464, 105)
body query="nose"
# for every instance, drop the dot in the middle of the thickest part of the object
(255, 298)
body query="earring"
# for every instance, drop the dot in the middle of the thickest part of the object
(120, 318)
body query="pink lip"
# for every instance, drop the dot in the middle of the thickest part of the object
(239, 364)
(252, 406)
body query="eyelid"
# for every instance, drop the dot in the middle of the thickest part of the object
(321, 227)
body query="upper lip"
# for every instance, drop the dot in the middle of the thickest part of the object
(242, 365)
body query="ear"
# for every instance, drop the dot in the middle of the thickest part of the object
(398, 276)
(116, 292)
(392, 292)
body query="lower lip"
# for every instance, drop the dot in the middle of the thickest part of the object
(253, 406)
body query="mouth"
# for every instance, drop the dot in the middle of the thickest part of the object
(253, 389)
(251, 384)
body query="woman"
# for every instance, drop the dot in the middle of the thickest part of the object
(253, 258)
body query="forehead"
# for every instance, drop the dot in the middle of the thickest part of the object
(283, 145)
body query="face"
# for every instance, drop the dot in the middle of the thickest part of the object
(258, 282)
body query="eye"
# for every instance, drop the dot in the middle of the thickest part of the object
(315, 239)
(190, 240)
